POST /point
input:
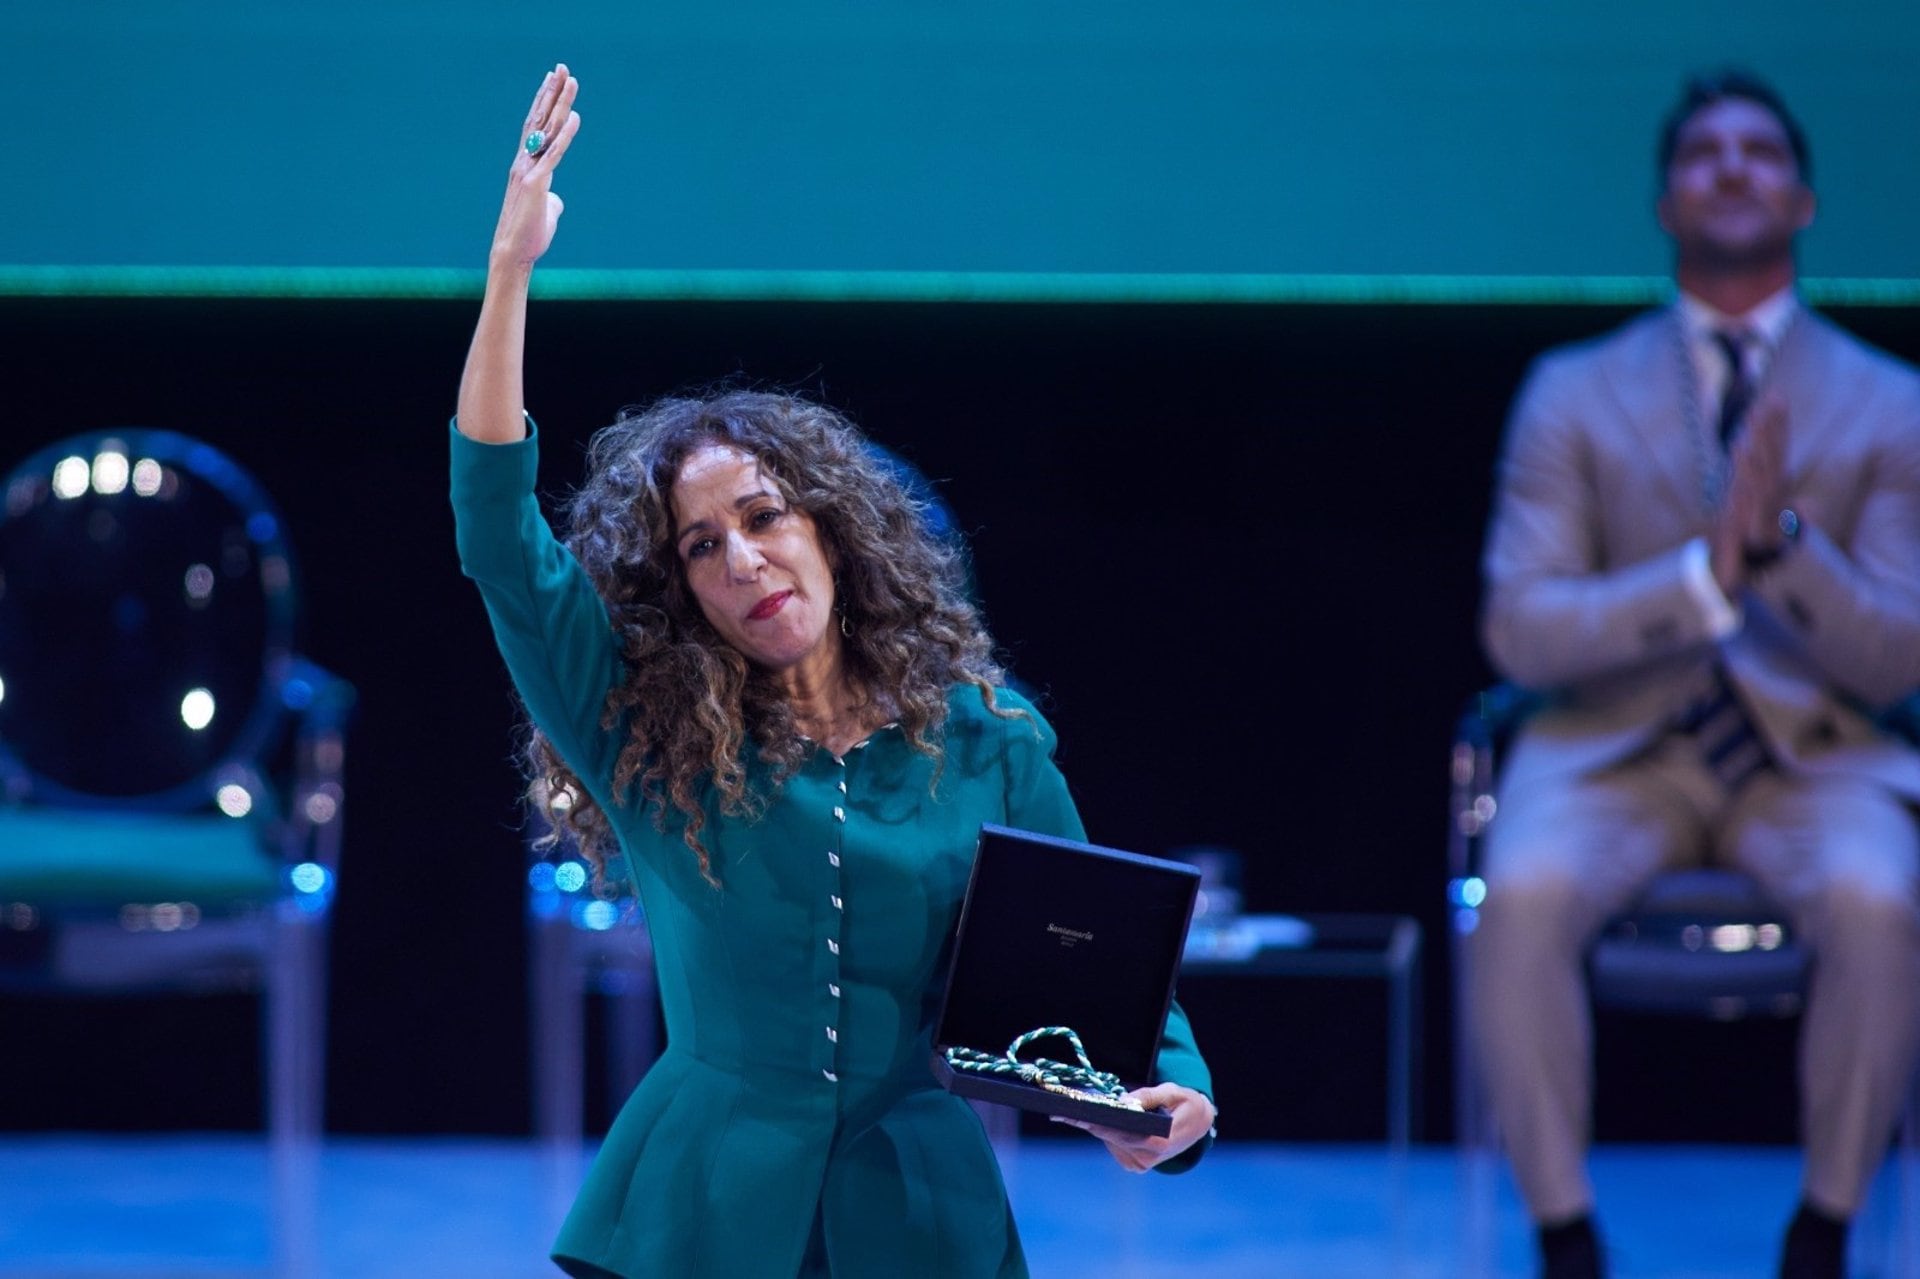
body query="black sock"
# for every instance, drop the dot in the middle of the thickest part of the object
(1816, 1246)
(1570, 1249)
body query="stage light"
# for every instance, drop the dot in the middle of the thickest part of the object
(570, 877)
(321, 807)
(110, 472)
(196, 709)
(146, 477)
(1732, 939)
(234, 800)
(199, 585)
(71, 476)
(599, 916)
(309, 877)
(1469, 891)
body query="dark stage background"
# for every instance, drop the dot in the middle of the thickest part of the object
(1234, 546)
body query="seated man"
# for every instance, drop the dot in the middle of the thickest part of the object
(1705, 549)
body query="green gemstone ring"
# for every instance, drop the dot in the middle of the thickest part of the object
(535, 141)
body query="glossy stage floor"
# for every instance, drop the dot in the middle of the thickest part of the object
(93, 1207)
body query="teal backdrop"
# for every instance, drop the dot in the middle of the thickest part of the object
(1352, 145)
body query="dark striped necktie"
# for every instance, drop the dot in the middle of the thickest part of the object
(1728, 744)
(1733, 345)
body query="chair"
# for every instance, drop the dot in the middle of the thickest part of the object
(1696, 943)
(170, 767)
(582, 943)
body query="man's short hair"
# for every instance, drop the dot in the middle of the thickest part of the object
(1705, 90)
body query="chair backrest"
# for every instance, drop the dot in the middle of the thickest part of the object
(148, 606)
(164, 753)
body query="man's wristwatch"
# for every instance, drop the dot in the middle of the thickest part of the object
(1757, 558)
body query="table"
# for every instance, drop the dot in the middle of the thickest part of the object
(1330, 945)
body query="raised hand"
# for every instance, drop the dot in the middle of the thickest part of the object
(491, 405)
(532, 210)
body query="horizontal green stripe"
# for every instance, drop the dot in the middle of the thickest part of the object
(894, 286)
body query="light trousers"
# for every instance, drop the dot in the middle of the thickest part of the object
(1840, 855)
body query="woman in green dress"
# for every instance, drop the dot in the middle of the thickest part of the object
(760, 693)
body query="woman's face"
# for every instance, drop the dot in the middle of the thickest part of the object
(755, 564)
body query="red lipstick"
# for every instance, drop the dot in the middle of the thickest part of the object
(769, 606)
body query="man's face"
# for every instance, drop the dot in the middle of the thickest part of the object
(1734, 196)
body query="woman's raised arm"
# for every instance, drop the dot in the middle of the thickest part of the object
(492, 402)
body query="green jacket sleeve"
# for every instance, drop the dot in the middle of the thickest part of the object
(549, 622)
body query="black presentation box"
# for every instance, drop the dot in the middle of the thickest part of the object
(1059, 933)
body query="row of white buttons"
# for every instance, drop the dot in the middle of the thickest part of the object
(833, 859)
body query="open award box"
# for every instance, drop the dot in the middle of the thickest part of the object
(1058, 935)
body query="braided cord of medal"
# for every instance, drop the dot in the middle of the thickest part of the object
(1043, 1071)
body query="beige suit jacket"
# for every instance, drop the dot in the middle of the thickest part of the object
(1599, 489)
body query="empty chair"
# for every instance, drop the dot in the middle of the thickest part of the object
(170, 766)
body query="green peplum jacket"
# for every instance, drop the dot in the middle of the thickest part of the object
(792, 1126)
